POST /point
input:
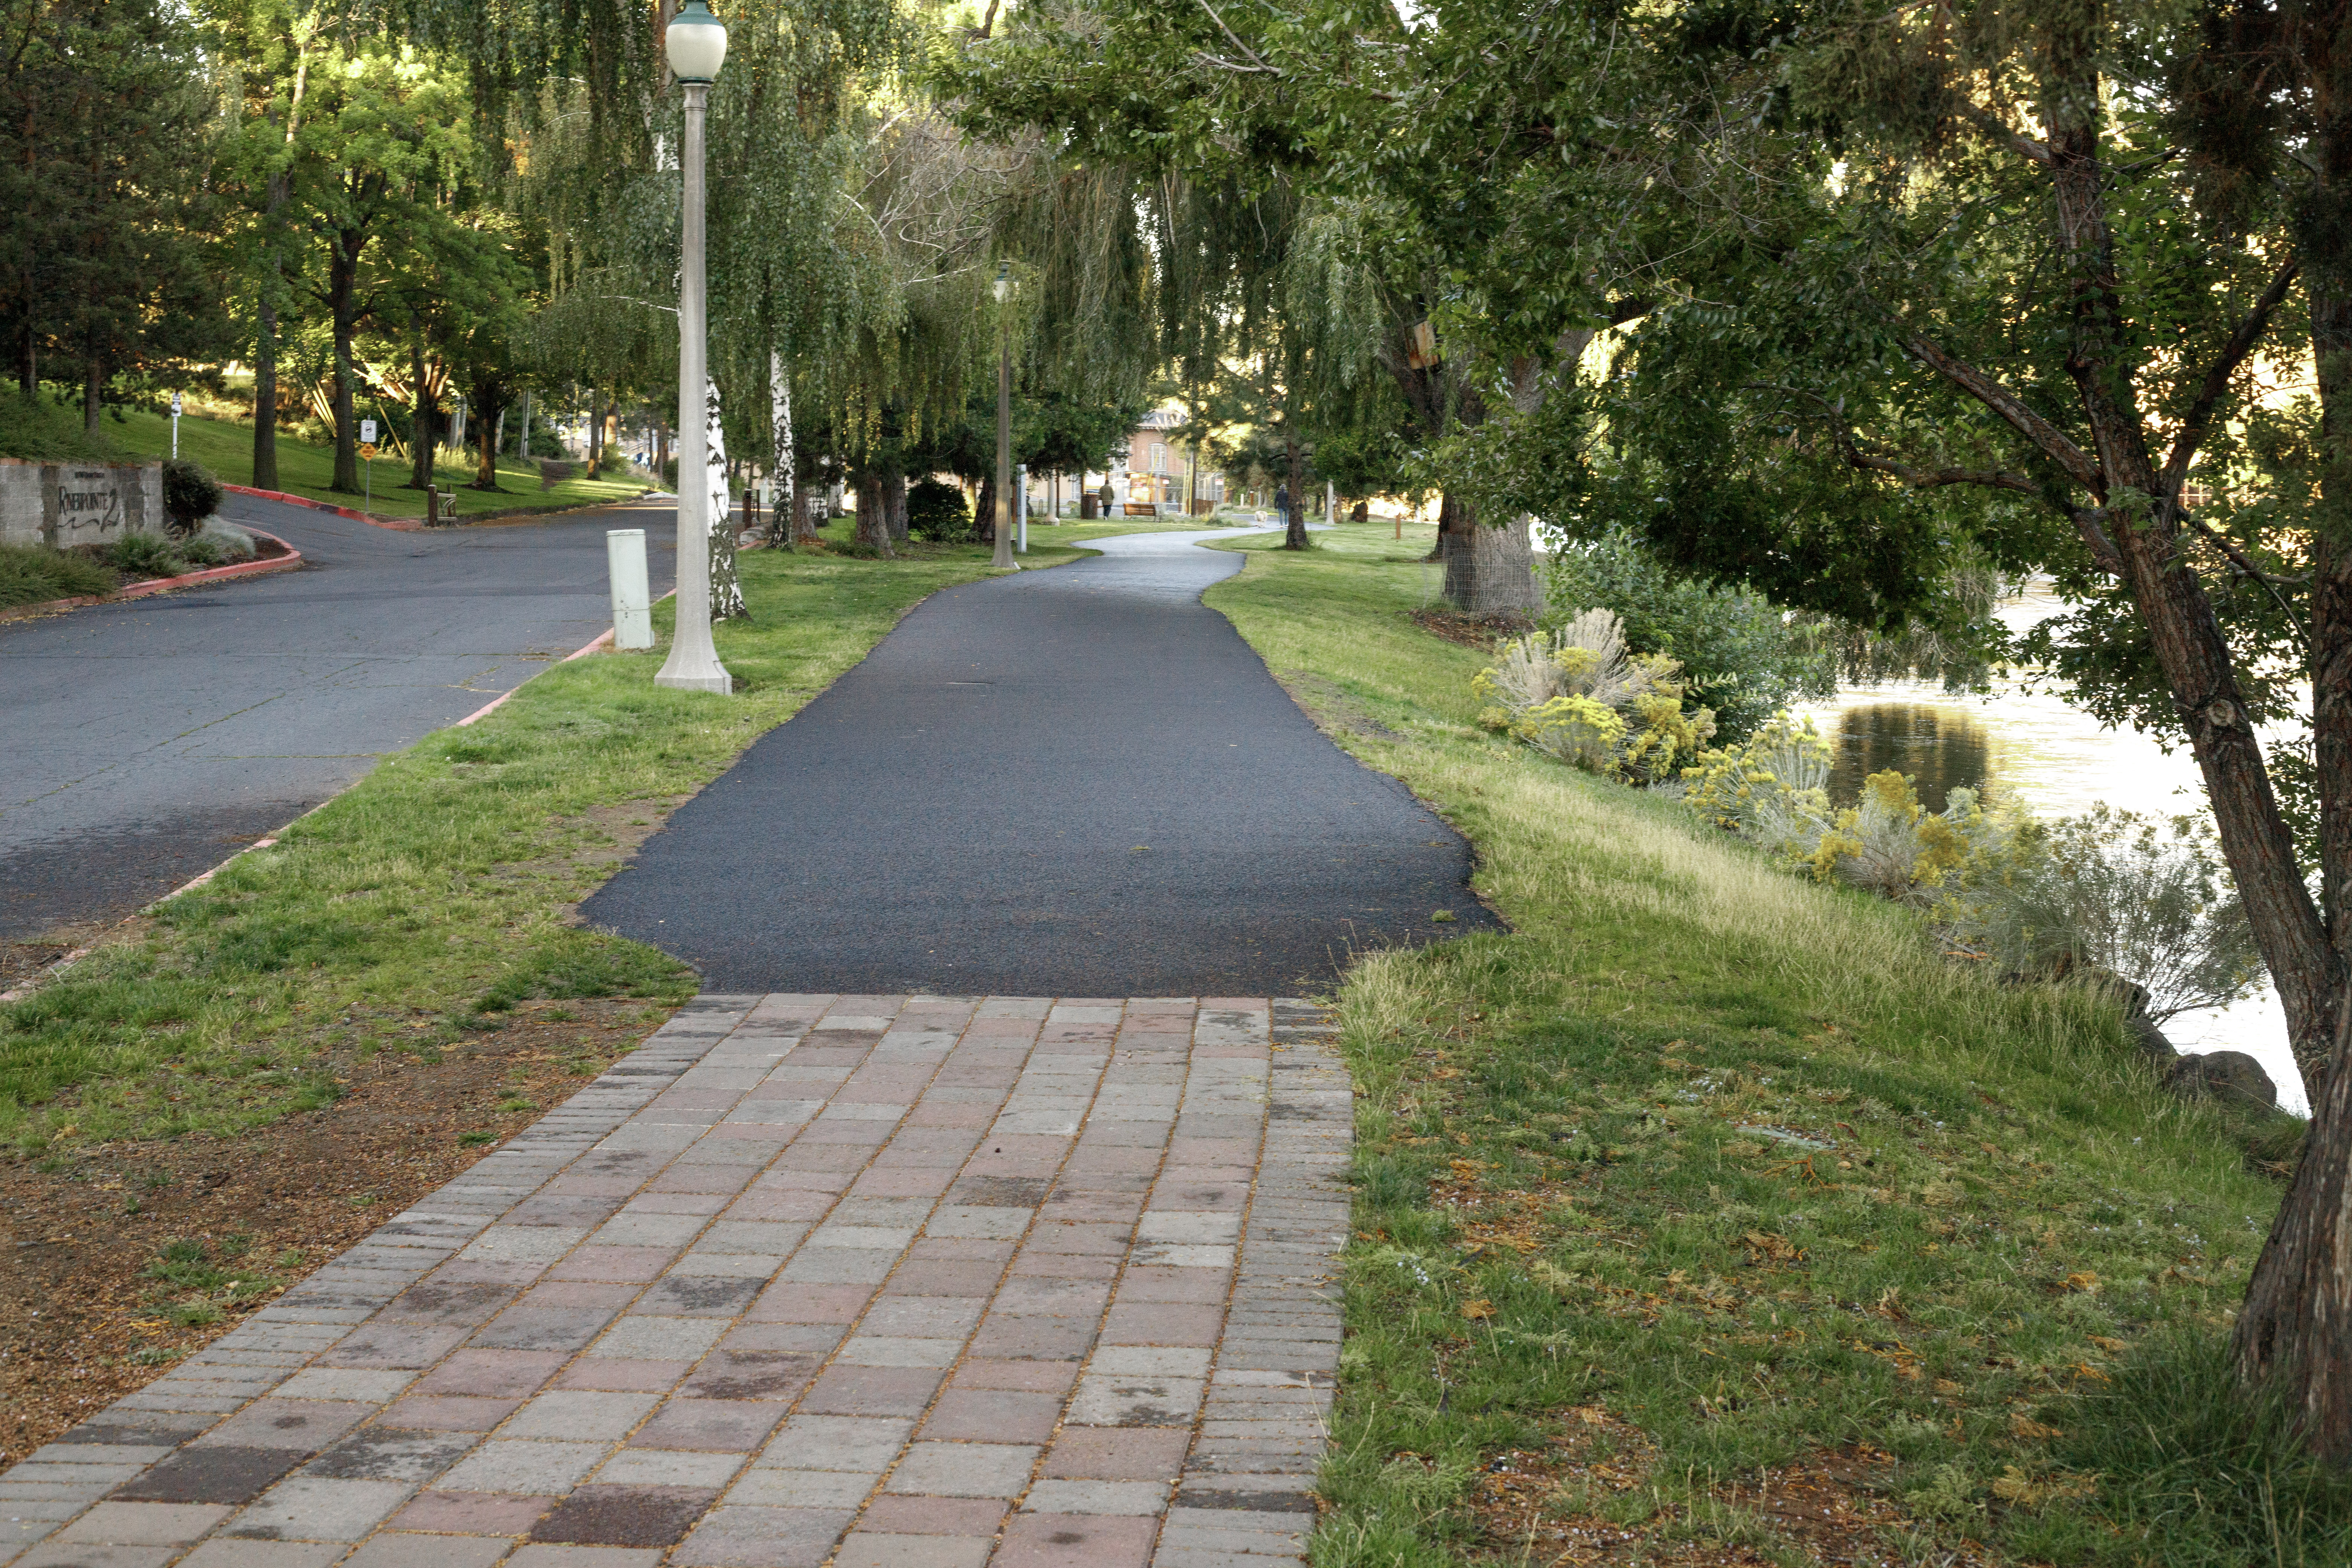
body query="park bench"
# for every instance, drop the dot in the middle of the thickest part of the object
(1142, 508)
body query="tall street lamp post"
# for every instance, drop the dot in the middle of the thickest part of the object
(697, 44)
(1004, 552)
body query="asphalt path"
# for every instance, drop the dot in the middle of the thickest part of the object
(1075, 781)
(147, 741)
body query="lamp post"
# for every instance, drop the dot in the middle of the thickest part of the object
(697, 44)
(1003, 556)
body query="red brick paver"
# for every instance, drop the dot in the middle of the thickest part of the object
(867, 1281)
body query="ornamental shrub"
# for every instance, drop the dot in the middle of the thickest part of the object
(936, 510)
(1576, 694)
(190, 494)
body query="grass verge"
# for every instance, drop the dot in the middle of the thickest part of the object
(418, 906)
(1711, 1217)
(225, 447)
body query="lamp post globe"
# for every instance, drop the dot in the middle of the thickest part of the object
(695, 43)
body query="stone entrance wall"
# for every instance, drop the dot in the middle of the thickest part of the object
(66, 504)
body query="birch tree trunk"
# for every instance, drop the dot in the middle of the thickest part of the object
(726, 584)
(784, 525)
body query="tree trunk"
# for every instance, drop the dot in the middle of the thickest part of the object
(265, 344)
(342, 296)
(726, 583)
(596, 431)
(2291, 1326)
(422, 436)
(873, 519)
(784, 527)
(486, 468)
(983, 517)
(1489, 571)
(93, 391)
(1294, 524)
(264, 396)
(894, 503)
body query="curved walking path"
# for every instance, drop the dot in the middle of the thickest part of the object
(874, 1281)
(1075, 781)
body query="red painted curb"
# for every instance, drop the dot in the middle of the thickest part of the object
(404, 525)
(286, 562)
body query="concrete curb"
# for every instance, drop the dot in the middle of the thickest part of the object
(286, 562)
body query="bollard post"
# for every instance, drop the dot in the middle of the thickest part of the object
(633, 610)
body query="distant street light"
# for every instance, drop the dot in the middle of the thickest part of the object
(697, 44)
(1004, 554)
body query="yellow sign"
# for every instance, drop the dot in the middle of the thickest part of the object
(367, 449)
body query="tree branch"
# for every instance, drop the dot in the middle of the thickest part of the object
(2199, 418)
(1256, 60)
(1984, 121)
(2045, 435)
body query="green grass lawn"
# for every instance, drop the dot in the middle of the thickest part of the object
(413, 908)
(225, 447)
(1707, 1175)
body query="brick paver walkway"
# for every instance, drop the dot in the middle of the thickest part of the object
(877, 1282)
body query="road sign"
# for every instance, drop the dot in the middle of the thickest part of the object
(367, 449)
(175, 404)
(367, 433)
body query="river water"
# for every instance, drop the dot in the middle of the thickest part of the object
(2035, 750)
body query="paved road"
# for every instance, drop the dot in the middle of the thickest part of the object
(1078, 782)
(148, 740)
(883, 1282)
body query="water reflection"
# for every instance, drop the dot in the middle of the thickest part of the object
(2033, 749)
(1941, 748)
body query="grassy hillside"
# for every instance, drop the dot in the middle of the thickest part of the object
(1712, 1216)
(225, 447)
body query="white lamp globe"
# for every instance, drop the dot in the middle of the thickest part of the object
(1004, 282)
(695, 42)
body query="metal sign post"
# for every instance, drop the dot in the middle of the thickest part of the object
(367, 457)
(176, 427)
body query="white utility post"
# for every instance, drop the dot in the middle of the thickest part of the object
(1020, 489)
(633, 610)
(175, 428)
(697, 46)
(1330, 501)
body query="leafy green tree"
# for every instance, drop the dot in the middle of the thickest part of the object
(103, 141)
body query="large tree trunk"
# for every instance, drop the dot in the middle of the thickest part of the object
(342, 298)
(983, 515)
(1293, 535)
(894, 503)
(873, 513)
(1489, 569)
(596, 431)
(2293, 1326)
